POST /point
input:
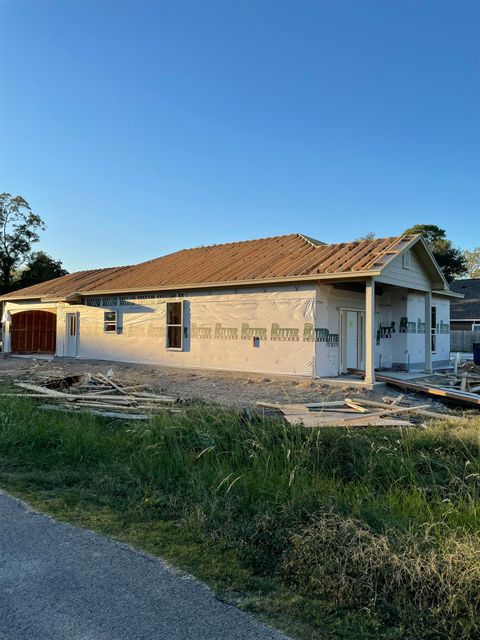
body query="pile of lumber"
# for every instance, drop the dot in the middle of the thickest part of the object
(94, 393)
(463, 388)
(357, 412)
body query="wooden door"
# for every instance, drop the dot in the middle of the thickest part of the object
(34, 332)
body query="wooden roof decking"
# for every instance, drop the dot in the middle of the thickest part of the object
(59, 288)
(255, 260)
(280, 258)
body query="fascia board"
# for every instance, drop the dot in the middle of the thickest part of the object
(237, 284)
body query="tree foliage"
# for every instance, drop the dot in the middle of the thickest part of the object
(370, 235)
(450, 259)
(473, 262)
(40, 268)
(19, 228)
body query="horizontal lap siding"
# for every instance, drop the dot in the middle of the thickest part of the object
(413, 278)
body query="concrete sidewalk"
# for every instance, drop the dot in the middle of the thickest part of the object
(59, 582)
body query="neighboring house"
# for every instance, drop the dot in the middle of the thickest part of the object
(286, 305)
(466, 313)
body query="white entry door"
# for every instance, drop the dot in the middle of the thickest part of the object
(353, 337)
(72, 335)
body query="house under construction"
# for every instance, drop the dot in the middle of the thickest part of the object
(285, 305)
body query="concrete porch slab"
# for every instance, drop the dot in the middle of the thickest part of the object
(404, 375)
(350, 381)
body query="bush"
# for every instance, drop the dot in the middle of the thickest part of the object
(412, 576)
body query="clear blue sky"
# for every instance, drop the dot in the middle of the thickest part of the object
(138, 128)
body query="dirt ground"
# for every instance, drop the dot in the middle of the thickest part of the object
(221, 387)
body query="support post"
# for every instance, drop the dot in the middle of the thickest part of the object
(428, 332)
(370, 331)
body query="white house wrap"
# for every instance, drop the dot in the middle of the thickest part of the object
(309, 324)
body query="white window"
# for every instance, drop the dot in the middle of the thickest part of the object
(110, 321)
(406, 260)
(174, 326)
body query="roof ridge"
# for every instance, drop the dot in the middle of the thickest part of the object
(223, 244)
(313, 241)
(236, 242)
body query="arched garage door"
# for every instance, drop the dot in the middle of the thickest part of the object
(34, 332)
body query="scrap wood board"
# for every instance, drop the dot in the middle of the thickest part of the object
(443, 385)
(331, 413)
(432, 389)
(97, 394)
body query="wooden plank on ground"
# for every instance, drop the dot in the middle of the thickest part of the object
(42, 390)
(468, 398)
(155, 397)
(328, 403)
(422, 412)
(286, 409)
(103, 414)
(333, 420)
(353, 405)
(387, 411)
(111, 383)
(398, 399)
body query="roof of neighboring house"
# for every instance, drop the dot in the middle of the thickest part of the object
(293, 257)
(469, 307)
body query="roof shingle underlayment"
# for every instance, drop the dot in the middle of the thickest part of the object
(280, 258)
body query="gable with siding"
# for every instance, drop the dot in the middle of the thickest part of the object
(415, 277)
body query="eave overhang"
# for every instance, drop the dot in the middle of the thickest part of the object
(448, 293)
(356, 275)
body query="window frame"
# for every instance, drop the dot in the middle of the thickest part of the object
(72, 325)
(406, 259)
(433, 316)
(167, 325)
(113, 323)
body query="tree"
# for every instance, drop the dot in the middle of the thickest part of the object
(19, 228)
(450, 259)
(473, 262)
(370, 235)
(40, 268)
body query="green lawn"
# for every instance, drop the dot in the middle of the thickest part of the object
(325, 533)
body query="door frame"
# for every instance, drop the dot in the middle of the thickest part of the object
(69, 314)
(342, 343)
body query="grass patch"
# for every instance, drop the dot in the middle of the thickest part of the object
(327, 533)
